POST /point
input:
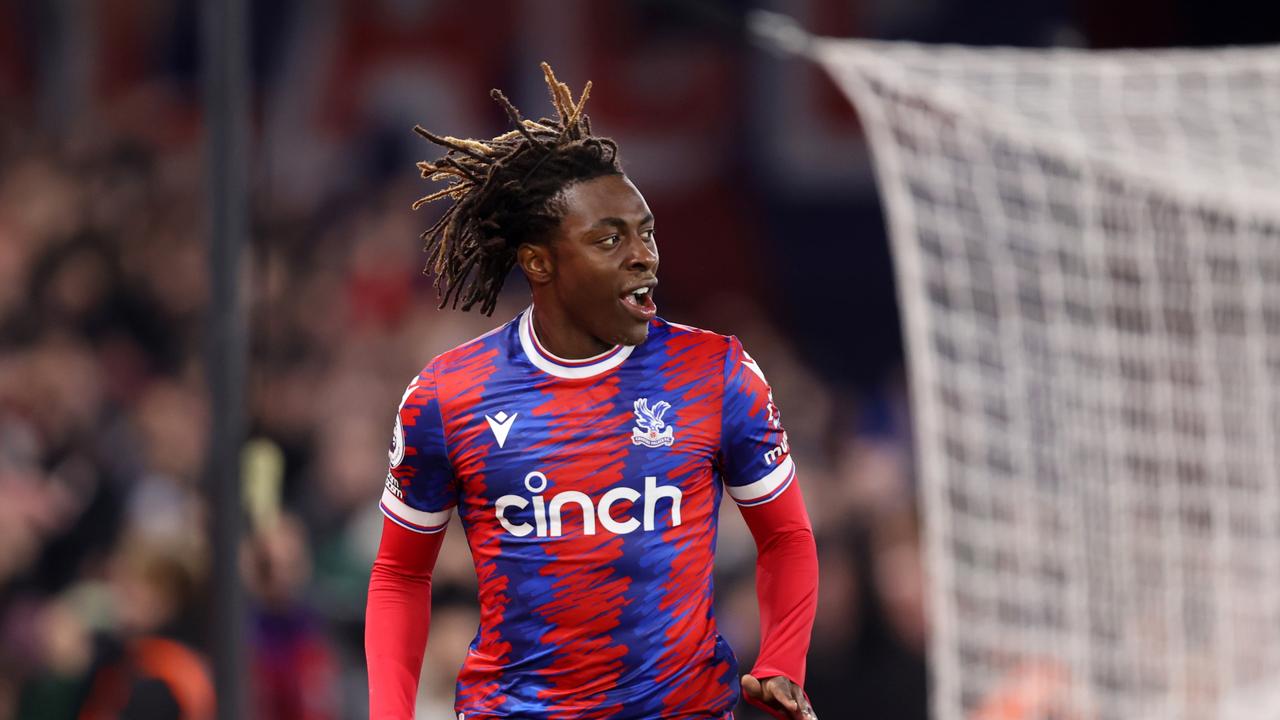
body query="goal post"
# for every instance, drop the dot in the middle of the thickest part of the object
(1087, 249)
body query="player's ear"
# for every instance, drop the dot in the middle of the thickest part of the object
(536, 261)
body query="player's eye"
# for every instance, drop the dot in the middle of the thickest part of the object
(648, 235)
(610, 241)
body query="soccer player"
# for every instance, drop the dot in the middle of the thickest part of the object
(586, 445)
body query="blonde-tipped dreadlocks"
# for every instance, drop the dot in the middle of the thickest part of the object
(506, 191)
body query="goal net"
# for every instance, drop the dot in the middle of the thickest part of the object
(1088, 258)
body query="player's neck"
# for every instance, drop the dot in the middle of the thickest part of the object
(558, 335)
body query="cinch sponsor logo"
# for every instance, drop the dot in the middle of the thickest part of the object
(548, 514)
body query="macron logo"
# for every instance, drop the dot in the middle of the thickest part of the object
(501, 424)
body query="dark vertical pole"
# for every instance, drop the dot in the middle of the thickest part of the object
(226, 98)
(64, 53)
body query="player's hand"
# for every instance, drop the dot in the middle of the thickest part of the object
(778, 695)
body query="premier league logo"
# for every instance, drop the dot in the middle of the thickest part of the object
(396, 451)
(650, 430)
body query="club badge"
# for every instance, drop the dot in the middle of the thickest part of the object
(650, 429)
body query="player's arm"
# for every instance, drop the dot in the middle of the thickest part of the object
(397, 618)
(760, 476)
(787, 590)
(417, 502)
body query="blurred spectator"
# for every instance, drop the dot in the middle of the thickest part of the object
(142, 670)
(295, 672)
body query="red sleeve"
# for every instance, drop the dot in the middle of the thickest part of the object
(786, 583)
(397, 617)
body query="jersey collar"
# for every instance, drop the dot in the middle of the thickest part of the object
(560, 367)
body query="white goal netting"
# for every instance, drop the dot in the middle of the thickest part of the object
(1088, 257)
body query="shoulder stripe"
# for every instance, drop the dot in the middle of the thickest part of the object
(766, 488)
(416, 520)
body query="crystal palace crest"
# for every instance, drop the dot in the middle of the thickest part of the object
(650, 429)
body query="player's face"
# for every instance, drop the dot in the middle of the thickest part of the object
(605, 261)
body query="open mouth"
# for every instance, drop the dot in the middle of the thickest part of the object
(640, 303)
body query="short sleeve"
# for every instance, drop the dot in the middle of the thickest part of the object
(755, 454)
(420, 490)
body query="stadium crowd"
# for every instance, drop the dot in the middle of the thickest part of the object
(104, 412)
(104, 420)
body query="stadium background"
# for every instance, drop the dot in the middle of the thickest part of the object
(769, 227)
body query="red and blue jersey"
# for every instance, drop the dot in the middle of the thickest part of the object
(589, 492)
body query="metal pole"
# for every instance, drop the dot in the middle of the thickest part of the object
(224, 61)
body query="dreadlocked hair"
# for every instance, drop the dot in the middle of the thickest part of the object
(506, 191)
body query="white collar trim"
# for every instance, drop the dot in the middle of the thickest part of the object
(561, 367)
